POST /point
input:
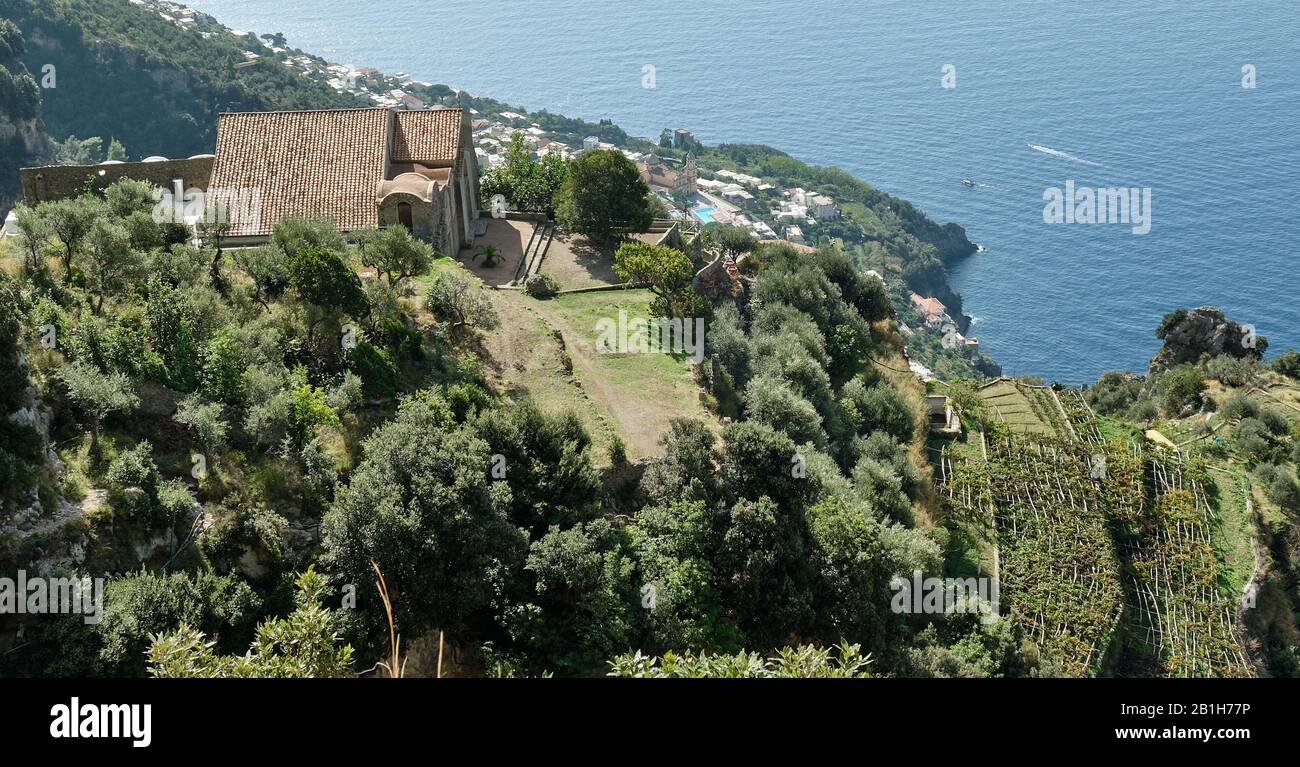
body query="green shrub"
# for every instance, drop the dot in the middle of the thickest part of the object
(221, 376)
(134, 468)
(542, 286)
(466, 399)
(1287, 363)
(1145, 410)
(1239, 406)
(404, 341)
(1280, 485)
(377, 370)
(1252, 439)
(1230, 370)
(1277, 424)
(1181, 387)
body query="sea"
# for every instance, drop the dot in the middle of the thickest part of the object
(1195, 103)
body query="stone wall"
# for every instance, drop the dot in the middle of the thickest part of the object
(424, 214)
(57, 182)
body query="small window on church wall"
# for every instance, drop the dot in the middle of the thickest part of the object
(404, 216)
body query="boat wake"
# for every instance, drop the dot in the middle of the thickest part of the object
(981, 185)
(1063, 155)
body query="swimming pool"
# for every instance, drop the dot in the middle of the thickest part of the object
(704, 214)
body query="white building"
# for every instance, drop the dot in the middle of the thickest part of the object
(741, 178)
(823, 207)
(735, 193)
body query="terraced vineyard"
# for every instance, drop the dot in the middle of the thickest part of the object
(1081, 418)
(1105, 550)
(1015, 406)
(1058, 570)
(1179, 619)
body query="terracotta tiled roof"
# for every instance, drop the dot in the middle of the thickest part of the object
(931, 307)
(430, 137)
(326, 163)
(657, 175)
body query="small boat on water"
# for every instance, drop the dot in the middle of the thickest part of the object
(968, 182)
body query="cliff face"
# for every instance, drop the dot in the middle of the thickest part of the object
(22, 135)
(1203, 331)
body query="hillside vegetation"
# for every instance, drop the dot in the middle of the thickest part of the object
(206, 425)
(111, 69)
(283, 457)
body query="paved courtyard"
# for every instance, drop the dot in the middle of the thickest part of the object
(510, 238)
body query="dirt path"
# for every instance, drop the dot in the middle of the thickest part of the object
(638, 394)
(640, 415)
(1250, 590)
(525, 357)
(638, 422)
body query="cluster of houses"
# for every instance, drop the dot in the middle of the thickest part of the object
(181, 16)
(368, 83)
(770, 211)
(934, 315)
(396, 92)
(492, 139)
(726, 196)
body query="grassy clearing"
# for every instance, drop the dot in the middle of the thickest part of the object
(638, 393)
(1233, 531)
(547, 350)
(1008, 404)
(525, 358)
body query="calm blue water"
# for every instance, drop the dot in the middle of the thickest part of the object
(1146, 93)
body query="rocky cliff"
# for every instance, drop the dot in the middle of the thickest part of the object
(22, 135)
(1189, 335)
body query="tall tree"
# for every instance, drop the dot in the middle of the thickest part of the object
(603, 196)
(420, 505)
(71, 220)
(110, 261)
(325, 282)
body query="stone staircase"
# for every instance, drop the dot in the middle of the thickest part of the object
(535, 251)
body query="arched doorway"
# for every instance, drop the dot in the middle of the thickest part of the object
(404, 216)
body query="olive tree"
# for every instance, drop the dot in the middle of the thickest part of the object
(395, 254)
(454, 298)
(98, 394)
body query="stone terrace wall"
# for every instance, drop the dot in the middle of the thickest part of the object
(57, 182)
